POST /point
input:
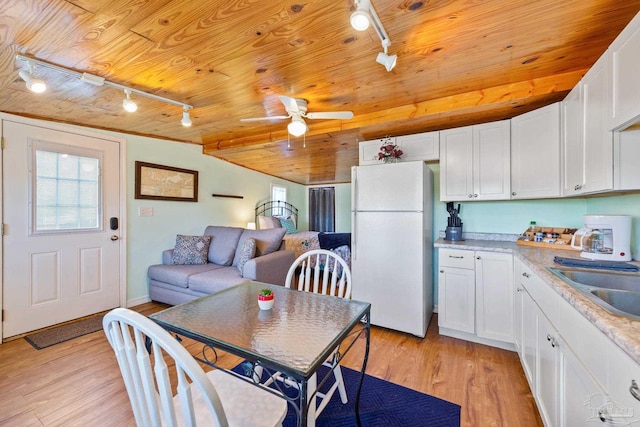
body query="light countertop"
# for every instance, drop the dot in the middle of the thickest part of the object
(621, 330)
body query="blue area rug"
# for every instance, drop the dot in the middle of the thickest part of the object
(382, 404)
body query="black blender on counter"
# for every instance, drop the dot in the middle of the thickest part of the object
(453, 231)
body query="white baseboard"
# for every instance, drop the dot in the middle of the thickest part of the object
(138, 301)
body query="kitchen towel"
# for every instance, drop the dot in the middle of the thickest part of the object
(602, 265)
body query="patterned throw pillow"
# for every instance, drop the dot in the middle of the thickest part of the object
(247, 252)
(191, 249)
(288, 225)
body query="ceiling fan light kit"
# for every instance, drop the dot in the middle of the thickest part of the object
(39, 86)
(297, 127)
(297, 112)
(366, 15)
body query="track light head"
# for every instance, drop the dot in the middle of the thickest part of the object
(297, 127)
(389, 61)
(33, 84)
(128, 105)
(186, 119)
(360, 20)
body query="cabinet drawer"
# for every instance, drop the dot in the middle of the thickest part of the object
(456, 258)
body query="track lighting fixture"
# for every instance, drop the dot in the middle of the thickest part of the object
(297, 127)
(37, 85)
(366, 15)
(186, 119)
(33, 84)
(128, 105)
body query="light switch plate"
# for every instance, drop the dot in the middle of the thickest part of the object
(145, 211)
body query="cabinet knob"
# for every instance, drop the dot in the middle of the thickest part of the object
(475, 195)
(525, 274)
(441, 271)
(478, 257)
(577, 187)
(519, 290)
(470, 196)
(513, 193)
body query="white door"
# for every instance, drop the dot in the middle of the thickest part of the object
(61, 257)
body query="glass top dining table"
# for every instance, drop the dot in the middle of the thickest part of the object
(295, 337)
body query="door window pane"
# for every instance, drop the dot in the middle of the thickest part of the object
(67, 192)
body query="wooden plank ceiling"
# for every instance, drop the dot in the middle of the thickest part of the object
(460, 62)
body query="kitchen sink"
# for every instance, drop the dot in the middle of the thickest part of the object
(616, 292)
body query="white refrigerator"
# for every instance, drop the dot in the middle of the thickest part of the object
(391, 258)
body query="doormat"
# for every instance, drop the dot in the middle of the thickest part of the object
(66, 332)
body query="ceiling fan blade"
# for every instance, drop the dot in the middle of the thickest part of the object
(293, 105)
(256, 119)
(330, 115)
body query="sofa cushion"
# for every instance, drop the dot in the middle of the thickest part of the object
(288, 224)
(266, 222)
(267, 241)
(178, 275)
(247, 252)
(214, 281)
(191, 249)
(224, 241)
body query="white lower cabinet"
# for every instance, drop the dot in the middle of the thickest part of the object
(475, 296)
(577, 376)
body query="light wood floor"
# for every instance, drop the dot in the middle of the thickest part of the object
(78, 383)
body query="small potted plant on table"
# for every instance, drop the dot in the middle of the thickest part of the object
(265, 299)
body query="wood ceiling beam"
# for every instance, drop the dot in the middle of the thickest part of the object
(509, 93)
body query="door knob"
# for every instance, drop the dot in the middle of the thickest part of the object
(114, 238)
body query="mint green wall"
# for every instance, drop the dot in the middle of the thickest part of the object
(620, 205)
(147, 237)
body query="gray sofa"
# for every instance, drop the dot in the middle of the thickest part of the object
(174, 284)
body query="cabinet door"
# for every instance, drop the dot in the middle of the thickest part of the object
(492, 161)
(535, 153)
(547, 384)
(598, 139)
(573, 132)
(529, 338)
(626, 86)
(456, 175)
(624, 388)
(421, 146)
(582, 399)
(494, 296)
(518, 300)
(456, 299)
(368, 151)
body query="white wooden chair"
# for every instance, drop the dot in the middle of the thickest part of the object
(212, 399)
(321, 272)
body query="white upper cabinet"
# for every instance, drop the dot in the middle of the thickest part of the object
(572, 142)
(420, 146)
(456, 164)
(368, 150)
(475, 162)
(598, 138)
(625, 56)
(588, 143)
(535, 154)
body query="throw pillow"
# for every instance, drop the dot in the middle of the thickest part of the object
(288, 225)
(267, 222)
(191, 249)
(247, 252)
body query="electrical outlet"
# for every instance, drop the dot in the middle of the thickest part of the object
(145, 211)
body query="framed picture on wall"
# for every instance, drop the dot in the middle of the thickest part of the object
(159, 182)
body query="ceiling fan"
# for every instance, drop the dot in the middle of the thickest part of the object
(297, 112)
